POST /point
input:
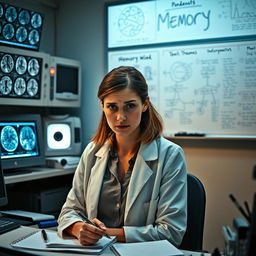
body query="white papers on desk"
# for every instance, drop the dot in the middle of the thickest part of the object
(152, 248)
(34, 241)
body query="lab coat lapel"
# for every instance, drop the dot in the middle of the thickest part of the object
(140, 174)
(96, 178)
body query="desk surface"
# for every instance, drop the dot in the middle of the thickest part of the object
(36, 173)
(7, 238)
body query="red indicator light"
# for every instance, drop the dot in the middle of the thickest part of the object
(52, 71)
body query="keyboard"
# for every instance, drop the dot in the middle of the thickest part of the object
(7, 224)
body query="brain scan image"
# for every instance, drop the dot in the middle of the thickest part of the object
(33, 67)
(27, 138)
(36, 20)
(9, 138)
(5, 85)
(21, 34)
(21, 65)
(8, 31)
(11, 14)
(32, 87)
(33, 37)
(24, 17)
(1, 10)
(20, 86)
(7, 63)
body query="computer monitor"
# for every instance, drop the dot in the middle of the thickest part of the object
(62, 135)
(24, 77)
(3, 194)
(20, 27)
(65, 82)
(21, 141)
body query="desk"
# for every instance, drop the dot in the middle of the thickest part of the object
(7, 238)
(36, 173)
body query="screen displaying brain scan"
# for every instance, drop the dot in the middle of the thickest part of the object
(18, 139)
(20, 76)
(20, 27)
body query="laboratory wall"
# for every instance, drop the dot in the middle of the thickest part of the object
(76, 29)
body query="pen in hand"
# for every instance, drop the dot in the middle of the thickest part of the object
(86, 219)
(44, 236)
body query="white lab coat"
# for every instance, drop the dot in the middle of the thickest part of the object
(156, 205)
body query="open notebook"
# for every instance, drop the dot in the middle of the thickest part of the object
(34, 241)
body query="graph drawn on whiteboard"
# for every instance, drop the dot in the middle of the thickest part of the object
(243, 9)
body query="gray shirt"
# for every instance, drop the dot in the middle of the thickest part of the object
(113, 193)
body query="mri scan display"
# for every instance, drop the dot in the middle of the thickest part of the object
(20, 76)
(18, 138)
(20, 27)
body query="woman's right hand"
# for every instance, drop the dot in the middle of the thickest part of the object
(86, 233)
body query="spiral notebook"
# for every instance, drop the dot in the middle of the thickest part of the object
(34, 241)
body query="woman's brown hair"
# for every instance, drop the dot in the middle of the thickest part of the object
(118, 79)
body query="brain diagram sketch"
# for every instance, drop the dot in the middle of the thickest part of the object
(131, 21)
(179, 73)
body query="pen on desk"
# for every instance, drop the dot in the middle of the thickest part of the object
(44, 236)
(86, 219)
(239, 207)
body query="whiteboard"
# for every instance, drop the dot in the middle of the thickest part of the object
(164, 21)
(204, 88)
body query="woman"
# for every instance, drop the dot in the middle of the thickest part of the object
(130, 181)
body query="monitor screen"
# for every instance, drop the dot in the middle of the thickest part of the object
(20, 76)
(18, 139)
(20, 27)
(21, 141)
(3, 195)
(67, 79)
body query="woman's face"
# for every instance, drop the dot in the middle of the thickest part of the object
(123, 110)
